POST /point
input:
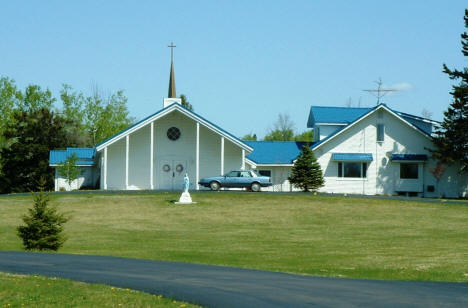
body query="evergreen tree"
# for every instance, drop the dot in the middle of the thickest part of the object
(31, 135)
(451, 138)
(306, 173)
(69, 169)
(44, 226)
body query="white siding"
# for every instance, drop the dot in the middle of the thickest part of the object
(139, 159)
(326, 130)
(86, 178)
(183, 150)
(116, 165)
(383, 175)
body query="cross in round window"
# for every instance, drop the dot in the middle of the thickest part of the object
(173, 133)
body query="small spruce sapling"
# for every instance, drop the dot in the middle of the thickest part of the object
(44, 225)
(306, 173)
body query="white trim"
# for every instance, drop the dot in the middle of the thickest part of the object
(254, 164)
(243, 160)
(367, 115)
(127, 149)
(105, 168)
(329, 123)
(274, 165)
(250, 162)
(167, 111)
(56, 165)
(222, 155)
(152, 157)
(197, 155)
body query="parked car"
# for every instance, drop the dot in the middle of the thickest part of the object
(237, 178)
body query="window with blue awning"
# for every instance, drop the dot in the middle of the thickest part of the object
(409, 157)
(352, 157)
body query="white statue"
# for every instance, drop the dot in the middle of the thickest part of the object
(186, 183)
(185, 197)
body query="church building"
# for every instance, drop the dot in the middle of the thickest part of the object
(370, 151)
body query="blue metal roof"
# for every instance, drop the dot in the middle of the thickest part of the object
(85, 156)
(352, 156)
(274, 152)
(409, 157)
(342, 115)
(348, 115)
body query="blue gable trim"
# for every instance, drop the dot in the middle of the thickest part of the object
(185, 110)
(352, 157)
(409, 157)
(85, 156)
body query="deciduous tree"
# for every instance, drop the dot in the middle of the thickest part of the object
(69, 170)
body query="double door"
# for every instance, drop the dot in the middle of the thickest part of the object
(171, 174)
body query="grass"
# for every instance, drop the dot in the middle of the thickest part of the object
(298, 233)
(37, 291)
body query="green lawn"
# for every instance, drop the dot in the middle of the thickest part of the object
(319, 235)
(37, 291)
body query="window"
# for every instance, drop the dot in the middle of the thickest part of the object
(173, 133)
(265, 172)
(245, 174)
(352, 170)
(380, 132)
(232, 174)
(409, 171)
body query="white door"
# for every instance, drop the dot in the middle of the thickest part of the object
(171, 174)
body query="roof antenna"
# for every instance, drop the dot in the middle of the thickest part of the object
(379, 92)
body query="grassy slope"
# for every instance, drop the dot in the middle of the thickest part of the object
(320, 235)
(37, 291)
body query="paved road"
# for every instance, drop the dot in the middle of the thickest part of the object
(217, 286)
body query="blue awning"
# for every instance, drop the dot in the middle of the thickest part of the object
(352, 156)
(409, 157)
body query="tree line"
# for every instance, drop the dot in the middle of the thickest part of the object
(283, 129)
(31, 125)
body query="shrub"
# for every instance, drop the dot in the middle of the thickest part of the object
(44, 225)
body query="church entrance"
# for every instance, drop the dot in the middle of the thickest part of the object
(171, 174)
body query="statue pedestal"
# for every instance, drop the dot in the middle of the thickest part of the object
(185, 199)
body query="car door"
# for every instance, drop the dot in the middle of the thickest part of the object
(245, 179)
(231, 179)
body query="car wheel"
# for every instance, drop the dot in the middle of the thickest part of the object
(214, 185)
(255, 187)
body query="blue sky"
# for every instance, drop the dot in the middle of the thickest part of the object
(240, 63)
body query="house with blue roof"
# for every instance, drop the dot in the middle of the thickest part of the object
(371, 151)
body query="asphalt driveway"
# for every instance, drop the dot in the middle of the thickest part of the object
(217, 286)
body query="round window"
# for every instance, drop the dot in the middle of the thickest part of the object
(179, 168)
(166, 168)
(173, 133)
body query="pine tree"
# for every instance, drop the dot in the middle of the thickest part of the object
(44, 226)
(451, 139)
(306, 173)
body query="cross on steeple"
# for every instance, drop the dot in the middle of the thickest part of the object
(172, 46)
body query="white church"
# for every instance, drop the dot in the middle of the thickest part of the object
(370, 151)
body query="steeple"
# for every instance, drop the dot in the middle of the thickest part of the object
(172, 88)
(171, 96)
